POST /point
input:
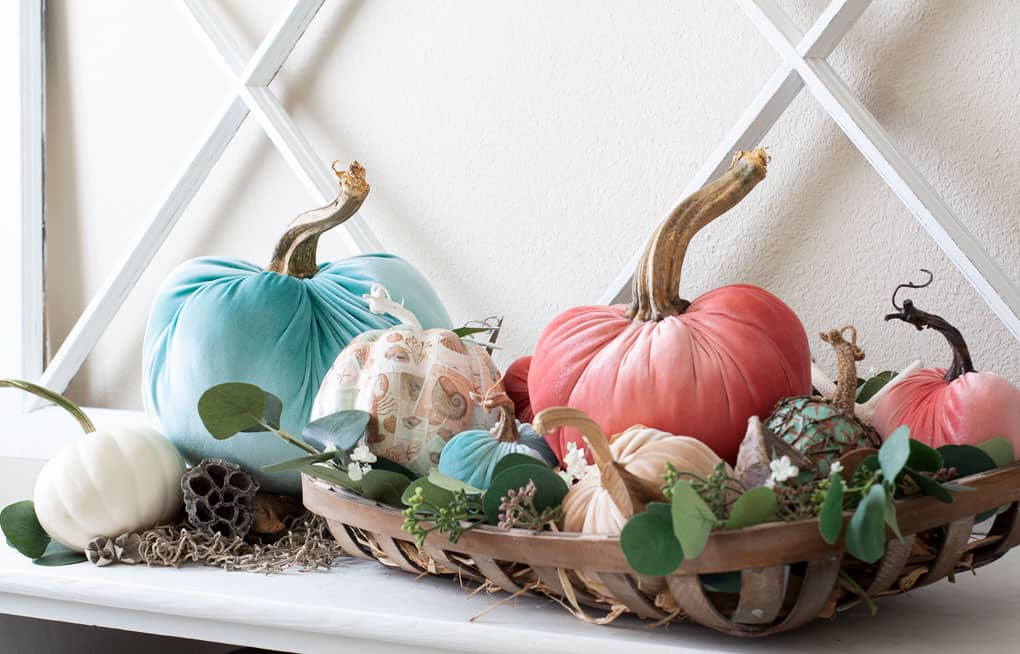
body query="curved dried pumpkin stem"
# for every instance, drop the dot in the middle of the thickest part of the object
(655, 291)
(52, 396)
(962, 363)
(847, 356)
(629, 492)
(295, 252)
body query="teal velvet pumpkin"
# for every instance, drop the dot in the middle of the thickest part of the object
(222, 320)
(472, 455)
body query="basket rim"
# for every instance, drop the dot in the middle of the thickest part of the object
(757, 546)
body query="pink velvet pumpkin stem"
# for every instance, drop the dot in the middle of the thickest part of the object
(629, 492)
(908, 313)
(656, 286)
(295, 252)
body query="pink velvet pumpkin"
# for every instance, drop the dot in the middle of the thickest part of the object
(698, 368)
(949, 406)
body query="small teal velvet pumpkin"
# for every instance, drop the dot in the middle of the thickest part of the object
(472, 455)
(222, 320)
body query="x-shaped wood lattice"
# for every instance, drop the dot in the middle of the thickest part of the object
(252, 78)
(804, 65)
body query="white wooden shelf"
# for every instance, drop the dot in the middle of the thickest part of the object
(363, 607)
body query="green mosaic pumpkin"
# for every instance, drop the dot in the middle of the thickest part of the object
(826, 428)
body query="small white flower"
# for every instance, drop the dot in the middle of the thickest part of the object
(329, 446)
(575, 461)
(362, 454)
(783, 469)
(770, 483)
(836, 468)
(567, 478)
(356, 471)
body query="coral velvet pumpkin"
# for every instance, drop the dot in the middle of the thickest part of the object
(699, 368)
(472, 455)
(222, 320)
(629, 471)
(516, 381)
(954, 406)
(417, 384)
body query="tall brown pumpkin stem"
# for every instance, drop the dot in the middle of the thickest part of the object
(295, 252)
(847, 356)
(629, 492)
(655, 291)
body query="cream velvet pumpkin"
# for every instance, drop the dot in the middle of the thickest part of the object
(109, 483)
(416, 384)
(628, 471)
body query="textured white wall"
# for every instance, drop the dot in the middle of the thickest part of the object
(519, 153)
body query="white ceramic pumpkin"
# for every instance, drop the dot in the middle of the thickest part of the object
(416, 383)
(106, 484)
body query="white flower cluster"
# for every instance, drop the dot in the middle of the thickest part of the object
(782, 469)
(361, 460)
(576, 464)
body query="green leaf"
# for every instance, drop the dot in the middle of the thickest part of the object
(382, 463)
(1000, 450)
(22, 529)
(384, 486)
(865, 533)
(229, 408)
(456, 485)
(754, 507)
(721, 582)
(300, 462)
(868, 389)
(514, 459)
(930, 487)
(893, 454)
(648, 544)
(461, 332)
(432, 494)
(967, 459)
(957, 488)
(332, 475)
(924, 458)
(830, 516)
(342, 429)
(549, 488)
(271, 411)
(889, 513)
(56, 554)
(693, 519)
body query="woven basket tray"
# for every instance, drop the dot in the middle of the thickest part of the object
(789, 575)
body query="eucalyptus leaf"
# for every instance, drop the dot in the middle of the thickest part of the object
(300, 462)
(382, 463)
(721, 582)
(924, 458)
(693, 519)
(930, 487)
(865, 533)
(648, 543)
(56, 554)
(456, 485)
(432, 494)
(967, 459)
(22, 529)
(271, 411)
(333, 476)
(867, 390)
(1000, 450)
(549, 488)
(384, 486)
(514, 459)
(889, 514)
(893, 454)
(754, 507)
(830, 516)
(342, 430)
(230, 408)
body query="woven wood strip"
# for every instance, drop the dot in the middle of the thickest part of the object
(819, 581)
(395, 554)
(495, 574)
(690, 597)
(346, 541)
(957, 535)
(550, 577)
(625, 589)
(761, 595)
(1007, 524)
(896, 554)
(440, 556)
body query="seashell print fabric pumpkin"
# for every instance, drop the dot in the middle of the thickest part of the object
(417, 385)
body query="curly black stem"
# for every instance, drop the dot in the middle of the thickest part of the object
(923, 320)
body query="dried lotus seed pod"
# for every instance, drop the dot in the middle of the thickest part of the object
(100, 551)
(218, 498)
